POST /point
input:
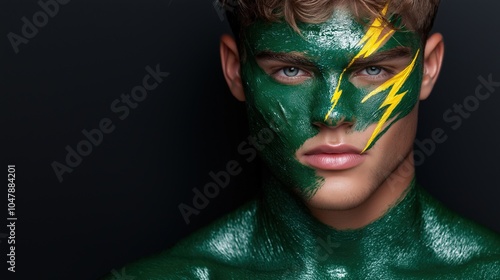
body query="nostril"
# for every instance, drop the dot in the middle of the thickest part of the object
(318, 124)
(332, 122)
(329, 124)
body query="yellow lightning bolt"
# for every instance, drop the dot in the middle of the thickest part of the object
(393, 98)
(371, 42)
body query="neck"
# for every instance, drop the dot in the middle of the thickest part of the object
(386, 195)
(287, 226)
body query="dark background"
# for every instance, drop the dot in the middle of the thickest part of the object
(121, 202)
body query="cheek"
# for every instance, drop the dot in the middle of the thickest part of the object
(398, 141)
(397, 98)
(284, 109)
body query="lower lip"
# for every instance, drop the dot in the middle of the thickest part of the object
(334, 161)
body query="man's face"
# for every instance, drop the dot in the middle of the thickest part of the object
(341, 98)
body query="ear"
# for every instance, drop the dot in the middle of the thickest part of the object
(230, 60)
(433, 59)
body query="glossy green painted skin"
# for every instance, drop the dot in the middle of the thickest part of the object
(291, 110)
(276, 238)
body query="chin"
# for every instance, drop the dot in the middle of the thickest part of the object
(338, 194)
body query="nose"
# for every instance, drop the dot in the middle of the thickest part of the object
(333, 106)
(338, 116)
(331, 116)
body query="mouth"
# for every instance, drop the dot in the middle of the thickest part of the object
(331, 158)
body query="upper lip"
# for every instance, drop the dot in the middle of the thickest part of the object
(333, 149)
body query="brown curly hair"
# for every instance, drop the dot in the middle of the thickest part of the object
(417, 15)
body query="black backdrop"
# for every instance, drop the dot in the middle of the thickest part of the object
(121, 201)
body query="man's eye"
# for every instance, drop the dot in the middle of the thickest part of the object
(291, 71)
(373, 70)
(371, 75)
(289, 75)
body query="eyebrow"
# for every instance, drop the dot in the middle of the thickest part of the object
(294, 58)
(395, 53)
(297, 58)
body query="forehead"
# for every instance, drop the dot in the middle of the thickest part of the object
(339, 36)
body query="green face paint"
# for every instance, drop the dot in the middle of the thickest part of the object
(340, 85)
(276, 237)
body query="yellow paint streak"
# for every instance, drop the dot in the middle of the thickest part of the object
(371, 42)
(393, 98)
(336, 95)
(374, 37)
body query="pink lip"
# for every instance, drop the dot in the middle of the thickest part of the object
(339, 157)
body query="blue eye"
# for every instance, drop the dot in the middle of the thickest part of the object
(373, 70)
(291, 71)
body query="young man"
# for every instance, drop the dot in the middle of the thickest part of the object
(338, 83)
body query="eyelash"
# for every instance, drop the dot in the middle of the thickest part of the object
(384, 72)
(280, 76)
